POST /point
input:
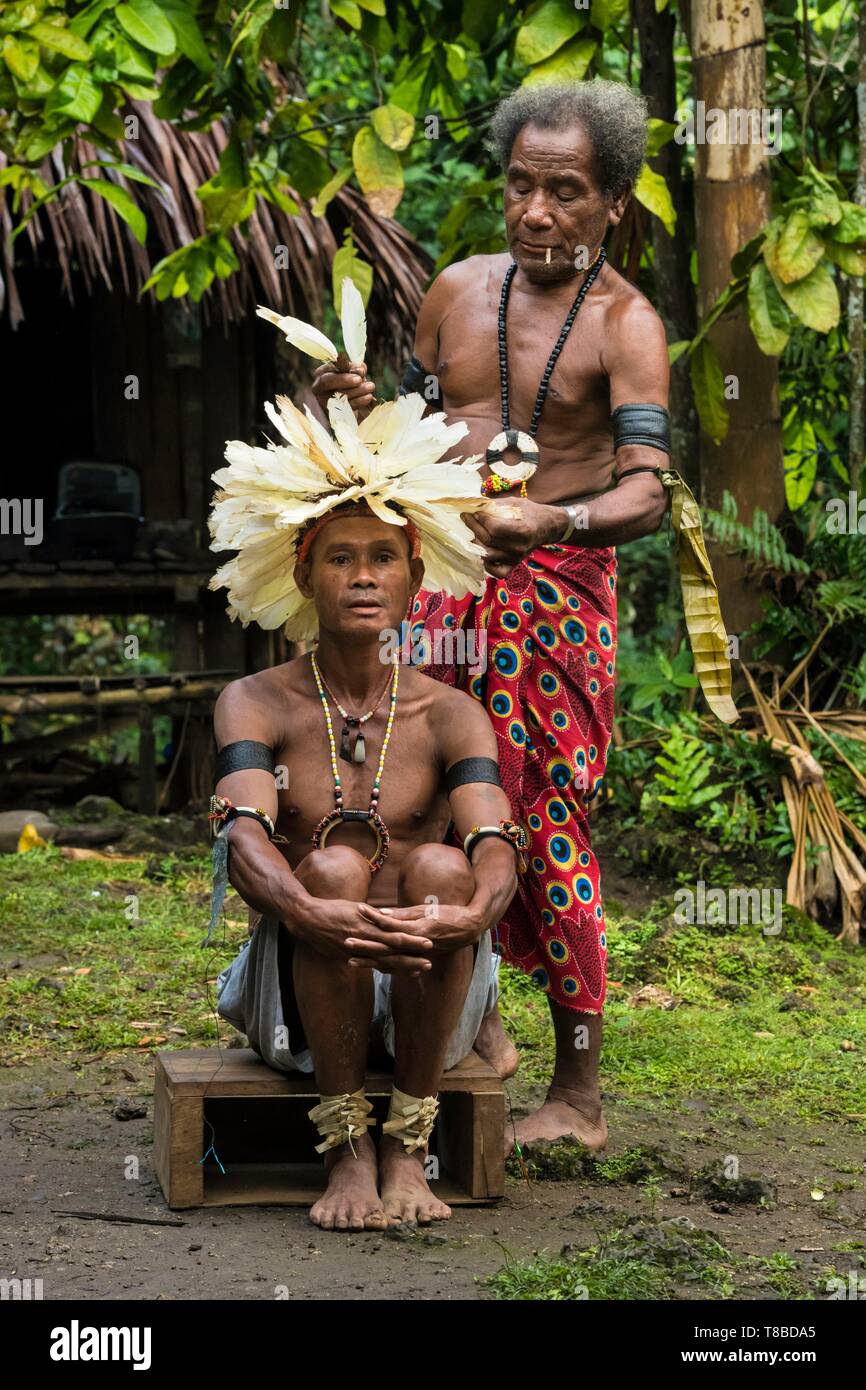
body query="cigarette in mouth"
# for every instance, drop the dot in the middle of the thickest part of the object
(547, 256)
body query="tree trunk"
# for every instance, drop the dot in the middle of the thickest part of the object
(673, 281)
(732, 203)
(857, 393)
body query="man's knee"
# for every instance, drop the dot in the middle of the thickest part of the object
(440, 871)
(335, 872)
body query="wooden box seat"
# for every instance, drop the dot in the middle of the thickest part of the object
(257, 1120)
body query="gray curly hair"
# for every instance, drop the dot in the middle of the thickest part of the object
(613, 116)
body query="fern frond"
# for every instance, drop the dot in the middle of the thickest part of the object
(840, 599)
(762, 542)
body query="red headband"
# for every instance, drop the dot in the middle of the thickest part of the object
(352, 509)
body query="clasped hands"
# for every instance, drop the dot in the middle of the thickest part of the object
(397, 939)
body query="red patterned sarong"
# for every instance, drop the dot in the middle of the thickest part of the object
(548, 688)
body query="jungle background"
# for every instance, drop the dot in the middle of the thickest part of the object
(721, 1039)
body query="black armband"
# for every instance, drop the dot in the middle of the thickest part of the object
(415, 378)
(472, 770)
(642, 424)
(244, 756)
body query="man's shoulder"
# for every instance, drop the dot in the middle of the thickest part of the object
(627, 308)
(260, 692)
(475, 270)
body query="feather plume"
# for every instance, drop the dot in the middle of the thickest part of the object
(301, 335)
(353, 322)
(394, 461)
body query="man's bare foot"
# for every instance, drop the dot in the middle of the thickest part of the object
(405, 1195)
(495, 1046)
(351, 1201)
(564, 1114)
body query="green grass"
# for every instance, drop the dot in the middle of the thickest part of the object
(729, 984)
(148, 969)
(655, 1262)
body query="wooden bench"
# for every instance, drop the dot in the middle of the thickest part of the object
(257, 1120)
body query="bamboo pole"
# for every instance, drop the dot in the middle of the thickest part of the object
(63, 702)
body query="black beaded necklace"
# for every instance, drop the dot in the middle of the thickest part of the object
(519, 439)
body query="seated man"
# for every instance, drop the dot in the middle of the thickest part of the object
(365, 908)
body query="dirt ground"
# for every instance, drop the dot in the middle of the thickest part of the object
(63, 1150)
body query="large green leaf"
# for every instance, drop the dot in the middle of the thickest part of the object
(348, 262)
(132, 60)
(347, 10)
(801, 464)
(658, 133)
(190, 39)
(852, 226)
(768, 313)
(393, 125)
(123, 203)
(676, 350)
(568, 65)
(379, 171)
(797, 250)
(84, 21)
(708, 386)
(851, 259)
(604, 14)
(824, 206)
(742, 260)
(21, 56)
(307, 171)
(333, 186)
(61, 39)
(145, 22)
(37, 88)
(552, 25)
(815, 299)
(75, 95)
(652, 191)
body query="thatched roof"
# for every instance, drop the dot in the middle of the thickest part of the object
(84, 233)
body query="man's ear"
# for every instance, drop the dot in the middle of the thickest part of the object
(416, 572)
(302, 578)
(617, 207)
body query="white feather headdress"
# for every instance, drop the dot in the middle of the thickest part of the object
(269, 495)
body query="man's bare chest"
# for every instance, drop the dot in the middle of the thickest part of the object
(468, 362)
(411, 790)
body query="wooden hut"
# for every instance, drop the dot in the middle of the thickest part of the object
(93, 372)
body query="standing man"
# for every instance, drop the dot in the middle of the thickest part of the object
(559, 368)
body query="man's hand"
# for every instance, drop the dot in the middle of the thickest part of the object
(511, 528)
(447, 926)
(360, 392)
(345, 931)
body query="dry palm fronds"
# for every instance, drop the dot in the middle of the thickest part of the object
(81, 231)
(839, 874)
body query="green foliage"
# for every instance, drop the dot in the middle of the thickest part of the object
(761, 542)
(682, 767)
(61, 645)
(786, 276)
(646, 684)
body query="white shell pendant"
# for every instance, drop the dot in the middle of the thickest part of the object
(359, 753)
